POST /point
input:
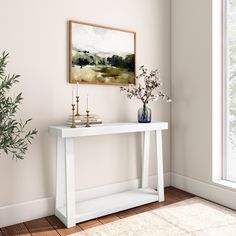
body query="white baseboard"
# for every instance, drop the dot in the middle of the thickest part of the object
(17, 213)
(208, 191)
(22, 212)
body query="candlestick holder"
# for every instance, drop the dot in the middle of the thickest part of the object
(87, 122)
(77, 106)
(73, 116)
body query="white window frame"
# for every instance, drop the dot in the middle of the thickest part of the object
(219, 97)
(225, 92)
(225, 126)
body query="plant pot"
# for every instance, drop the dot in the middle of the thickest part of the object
(144, 114)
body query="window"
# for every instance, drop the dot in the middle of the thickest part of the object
(229, 89)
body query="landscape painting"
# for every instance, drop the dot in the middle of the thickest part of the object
(101, 55)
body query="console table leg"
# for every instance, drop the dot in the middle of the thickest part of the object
(145, 167)
(61, 174)
(70, 182)
(160, 177)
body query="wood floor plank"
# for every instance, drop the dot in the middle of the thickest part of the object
(171, 196)
(170, 199)
(18, 229)
(127, 213)
(40, 227)
(179, 193)
(141, 209)
(155, 205)
(108, 219)
(89, 224)
(60, 227)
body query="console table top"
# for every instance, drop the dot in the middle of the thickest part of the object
(106, 128)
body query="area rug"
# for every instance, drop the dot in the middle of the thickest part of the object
(195, 217)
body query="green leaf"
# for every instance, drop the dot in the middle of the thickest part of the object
(14, 138)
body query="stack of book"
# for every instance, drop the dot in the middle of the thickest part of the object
(82, 120)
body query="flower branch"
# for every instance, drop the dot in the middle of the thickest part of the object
(148, 88)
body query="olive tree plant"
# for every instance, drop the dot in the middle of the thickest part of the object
(14, 138)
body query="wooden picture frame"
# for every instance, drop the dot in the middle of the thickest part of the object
(101, 54)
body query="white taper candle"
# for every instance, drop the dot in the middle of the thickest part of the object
(77, 89)
(73, 95)
(87, 102)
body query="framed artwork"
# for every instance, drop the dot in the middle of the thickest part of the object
(101, 55)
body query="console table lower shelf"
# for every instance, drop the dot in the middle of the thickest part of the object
(109, 204)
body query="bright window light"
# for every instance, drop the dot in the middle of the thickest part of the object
(229, 52)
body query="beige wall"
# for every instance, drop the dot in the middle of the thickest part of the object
(191, 89)
(36, 35)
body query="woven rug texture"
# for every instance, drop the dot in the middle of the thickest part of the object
(195, 217)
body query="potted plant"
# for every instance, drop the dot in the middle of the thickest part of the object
(14, 139)
(148, 89)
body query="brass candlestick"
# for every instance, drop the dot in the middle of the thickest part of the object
(87, 123)
(77, 106)
(73, 116)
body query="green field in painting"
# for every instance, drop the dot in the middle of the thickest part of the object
(101, 68)
(102, 74)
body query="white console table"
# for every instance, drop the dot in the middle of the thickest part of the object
(71, 212)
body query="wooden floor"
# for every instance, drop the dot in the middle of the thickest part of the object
(50, 225)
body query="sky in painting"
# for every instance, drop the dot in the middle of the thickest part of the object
(101, 40)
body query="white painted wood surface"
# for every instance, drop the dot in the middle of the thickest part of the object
(145, 166)
(70, 183)
(112, 203)
(160, 176)
(107, 128)
(70, 212)
(61, 173)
